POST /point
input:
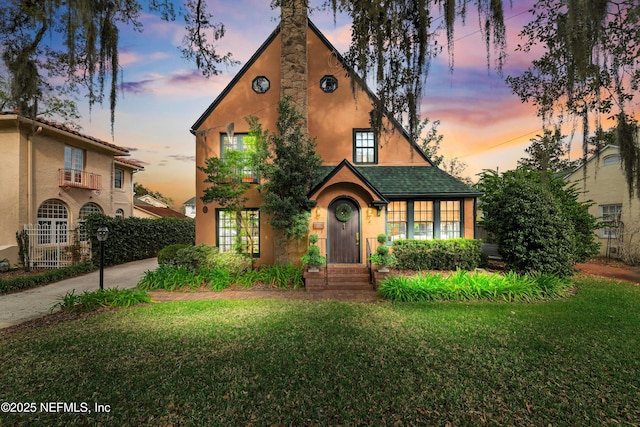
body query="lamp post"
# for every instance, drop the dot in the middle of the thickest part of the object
(102, 234)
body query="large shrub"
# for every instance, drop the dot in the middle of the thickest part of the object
(539, 224)
(167, 255)
(133, 238)
(465, 254)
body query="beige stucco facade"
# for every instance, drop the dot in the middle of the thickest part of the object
(33, 171)
(605, 185)
(333, 118)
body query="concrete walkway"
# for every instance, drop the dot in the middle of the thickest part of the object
(32, 303)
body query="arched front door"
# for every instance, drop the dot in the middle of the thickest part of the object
(344, 231)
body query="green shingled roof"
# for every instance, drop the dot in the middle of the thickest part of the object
(409, 181)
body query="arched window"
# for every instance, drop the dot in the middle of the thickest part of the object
(53, 222)
(613, 159)
(85, 211)
(119, 213)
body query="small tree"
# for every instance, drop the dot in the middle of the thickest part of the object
(229, 191)
(288, 165)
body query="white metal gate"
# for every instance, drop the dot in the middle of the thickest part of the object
(54, 245)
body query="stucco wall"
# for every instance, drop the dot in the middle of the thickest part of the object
(32, 156)
(606, 185)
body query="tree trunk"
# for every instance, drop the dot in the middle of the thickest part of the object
(287, 250)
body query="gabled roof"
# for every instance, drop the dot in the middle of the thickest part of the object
(331, 48)
(328, 172)
(406, 181)
(593, 157)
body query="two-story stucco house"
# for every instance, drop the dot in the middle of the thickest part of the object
(52, 178)
(606, 186)
(386, 182)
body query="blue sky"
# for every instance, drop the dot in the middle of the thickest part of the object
(163, 95)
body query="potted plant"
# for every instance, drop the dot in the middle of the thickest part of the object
(382, 258)
(312, 259)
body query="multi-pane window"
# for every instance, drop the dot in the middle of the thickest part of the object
(52, 222)
(364, 147)
(611, 220)
(243, 143)
(239, 233)
(73, 164)
(423, 220)
(85, 211)
(449, 219)
(119, 213)
(118, 178)
(397, 220)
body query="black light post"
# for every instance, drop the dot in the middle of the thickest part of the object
(102, 234)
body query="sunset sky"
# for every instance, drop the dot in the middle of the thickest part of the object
(163, 95)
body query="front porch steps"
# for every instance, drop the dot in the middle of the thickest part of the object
(350, 277)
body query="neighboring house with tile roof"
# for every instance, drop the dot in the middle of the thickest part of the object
(148, 206)
(602, 181)
(53, 177)
(386, 182)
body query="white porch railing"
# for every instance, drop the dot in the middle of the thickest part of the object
(55, 247)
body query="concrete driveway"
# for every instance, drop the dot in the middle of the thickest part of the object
(36, 302)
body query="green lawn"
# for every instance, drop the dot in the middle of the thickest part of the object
(270, 362)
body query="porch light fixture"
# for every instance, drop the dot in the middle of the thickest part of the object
(369, 212)
(317, 212)
(102, 234)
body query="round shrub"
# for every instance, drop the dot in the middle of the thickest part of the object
(232, 262)
(313, 239)
(167, 255)
(382, 238)
(196, 257)
(382, 250)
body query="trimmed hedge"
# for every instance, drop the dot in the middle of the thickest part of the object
(131, 239)
(451, 254)
(48, 276)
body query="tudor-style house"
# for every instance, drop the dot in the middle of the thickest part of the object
(53, 177)
(386, 184)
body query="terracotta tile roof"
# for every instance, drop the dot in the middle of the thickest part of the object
(66, 130)
(129, 162)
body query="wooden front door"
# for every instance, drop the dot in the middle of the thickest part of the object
(344, 232)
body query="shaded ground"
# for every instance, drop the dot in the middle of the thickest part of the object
(610, 270)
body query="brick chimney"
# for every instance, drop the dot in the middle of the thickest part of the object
(293, 60)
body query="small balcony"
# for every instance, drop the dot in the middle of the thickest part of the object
(79, 179)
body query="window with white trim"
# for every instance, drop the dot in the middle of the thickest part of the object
(86, 210)
(423, 220)
(73, 164)
(239, 233)
(53, 222)
(119, 213)
(449, 219)
(364, 147)
(610, 215)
